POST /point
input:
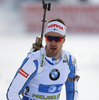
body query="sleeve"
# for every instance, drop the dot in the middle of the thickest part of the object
(23, 76)
(71, 84)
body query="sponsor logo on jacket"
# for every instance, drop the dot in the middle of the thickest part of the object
(23, 73)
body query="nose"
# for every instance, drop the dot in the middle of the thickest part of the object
(53, 42)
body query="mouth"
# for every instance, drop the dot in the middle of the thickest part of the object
(53, 49)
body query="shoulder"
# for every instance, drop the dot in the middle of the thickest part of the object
(68, 54)
(34, 55)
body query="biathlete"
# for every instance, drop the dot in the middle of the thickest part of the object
(43, 73)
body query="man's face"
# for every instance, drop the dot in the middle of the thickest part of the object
(53, 48)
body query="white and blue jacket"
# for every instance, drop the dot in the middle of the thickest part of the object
(42, 79)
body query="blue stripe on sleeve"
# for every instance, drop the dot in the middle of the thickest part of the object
(24, 61)
(70, 88)
(32, 75)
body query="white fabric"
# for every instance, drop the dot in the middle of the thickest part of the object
(41, 87)
(20, 80)
(43, 79)
(56, 26)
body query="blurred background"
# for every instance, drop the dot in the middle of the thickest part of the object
(20, 24)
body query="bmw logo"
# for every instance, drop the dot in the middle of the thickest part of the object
(54, 74)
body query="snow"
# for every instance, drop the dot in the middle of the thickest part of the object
(15, 43)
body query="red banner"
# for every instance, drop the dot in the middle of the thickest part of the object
(78, 18)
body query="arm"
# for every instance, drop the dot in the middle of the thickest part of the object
(23, 76)
(71, 83)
